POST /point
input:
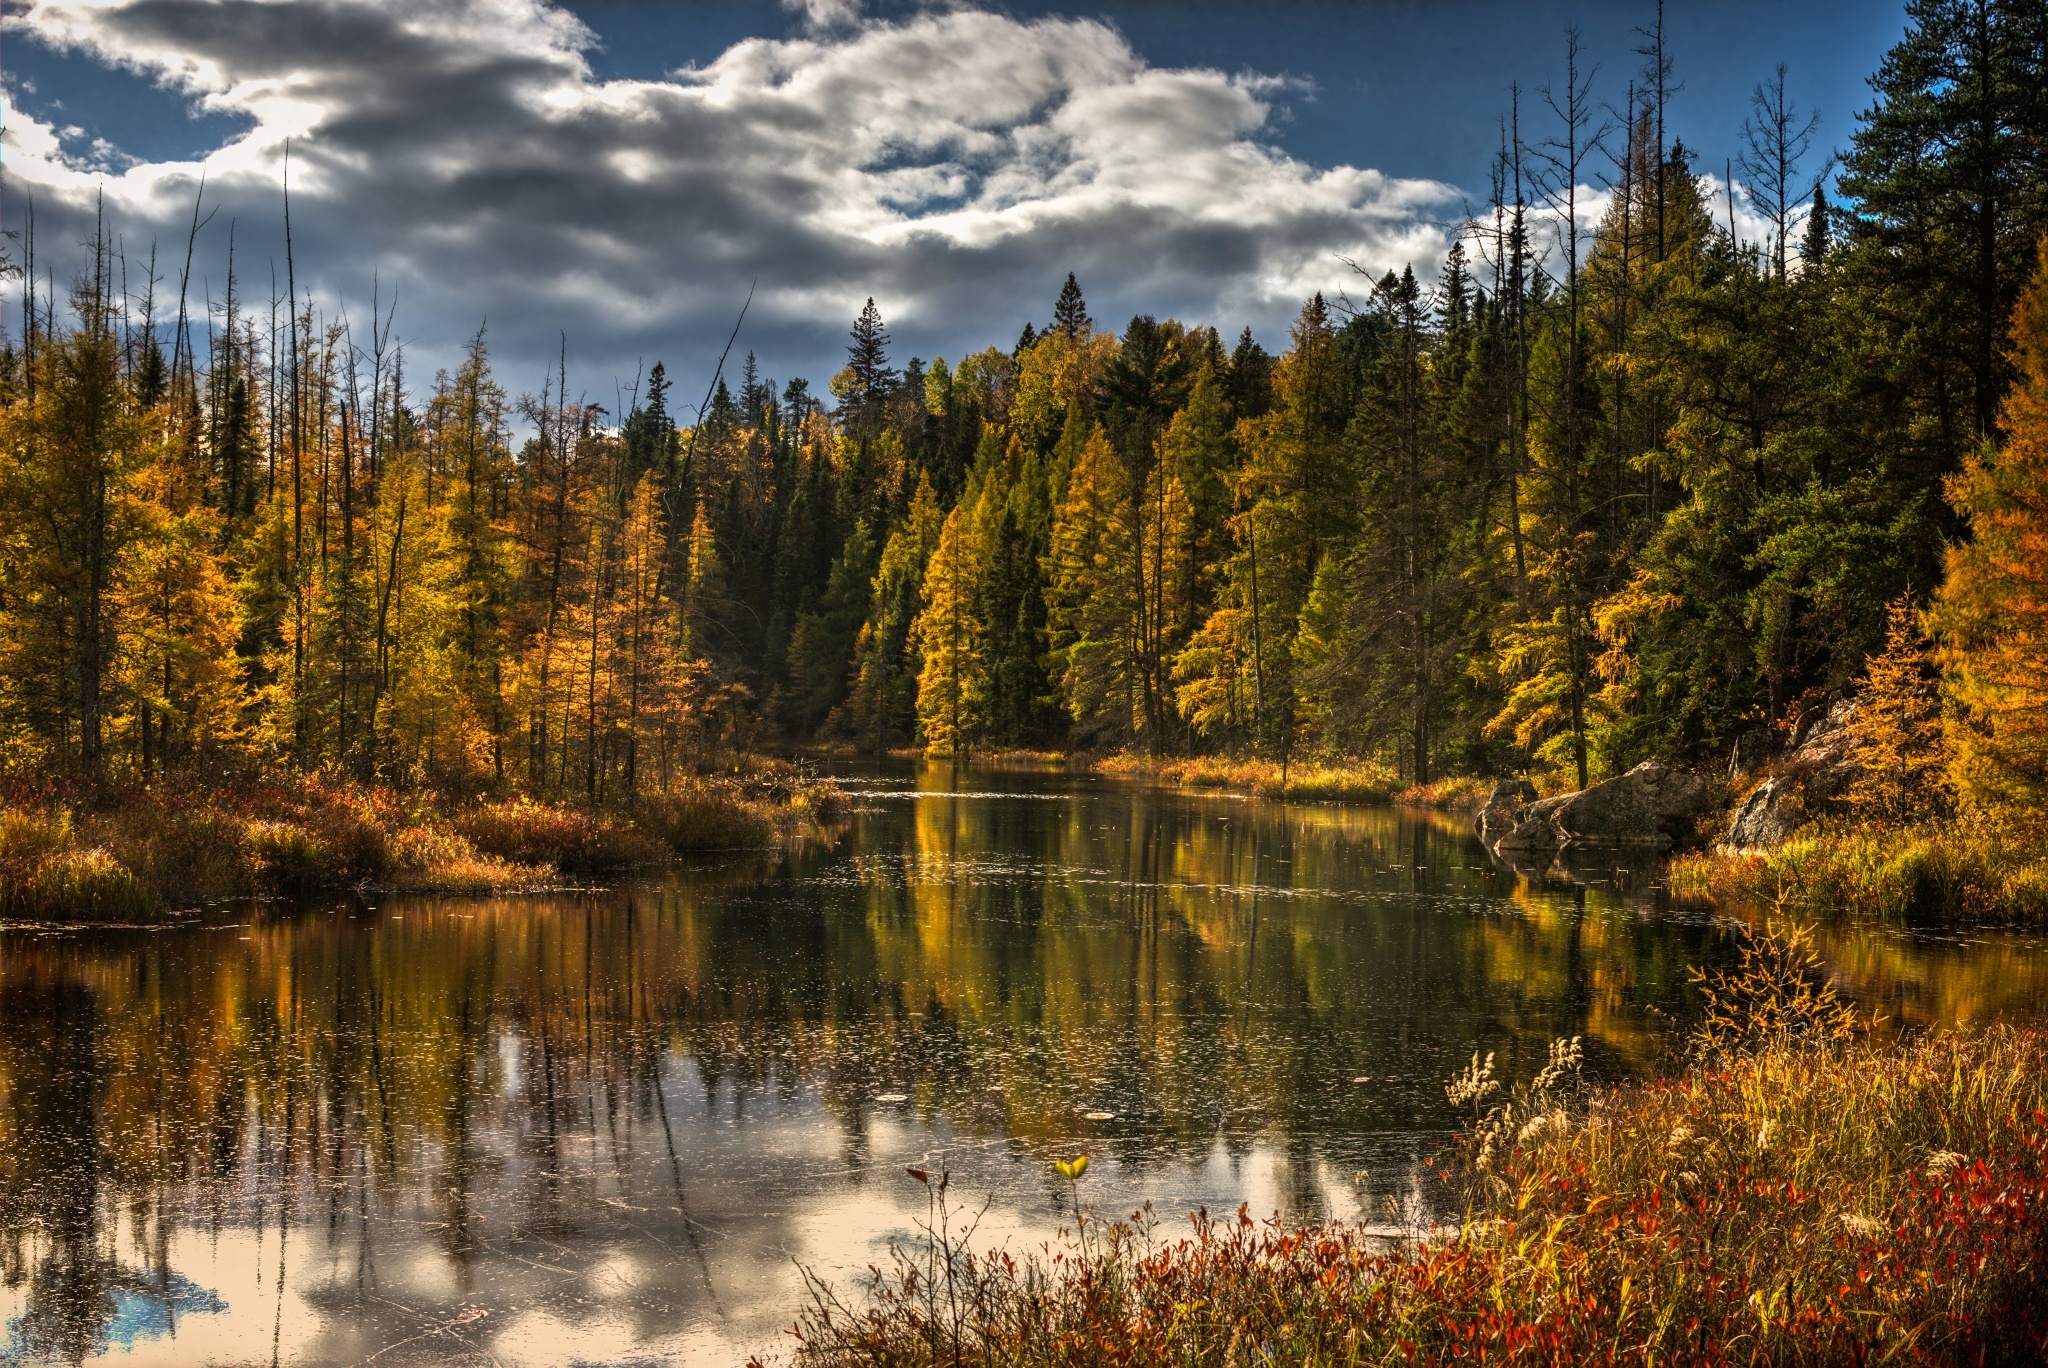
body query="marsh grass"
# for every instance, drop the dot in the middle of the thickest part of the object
(1459, 793)
(141, 852)
(1346, 782)
(573, 840)
(1802, 1194)
(707, 816)
(46, 873)
(1961, 868)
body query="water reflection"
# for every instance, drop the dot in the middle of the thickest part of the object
(605, 1127)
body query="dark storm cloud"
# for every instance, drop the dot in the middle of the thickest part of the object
(955, 165)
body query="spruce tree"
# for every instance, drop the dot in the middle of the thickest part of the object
(1070, 312)
(1944, 171)
(1813, 246)
(869, 379)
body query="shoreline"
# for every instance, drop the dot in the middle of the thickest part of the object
(141, 854)
(1341, 781)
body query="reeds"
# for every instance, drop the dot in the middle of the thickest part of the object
(707, 816)
(1359, 781)
(1459, 793)
(45, 872)
(139, 853)
(1960, 868)
(573, 840)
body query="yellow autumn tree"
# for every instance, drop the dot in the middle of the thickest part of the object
(1898, 723)
(951, 684)
(1991, 616)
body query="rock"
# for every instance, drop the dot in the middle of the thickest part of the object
(1533, 828)
(1652, 805)
(1751, 753)
(1771, 812)
(1812, 778)
(1823, 763)
(1504, 808)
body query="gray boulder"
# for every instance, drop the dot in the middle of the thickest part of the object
(1812, 778)
(1767, 815)
(1651, 806)
(1824, 761)
(1533, 827)
(1504, 808)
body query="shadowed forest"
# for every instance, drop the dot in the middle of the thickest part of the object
(1621, 482)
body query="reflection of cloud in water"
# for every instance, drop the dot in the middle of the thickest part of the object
(607, 1126)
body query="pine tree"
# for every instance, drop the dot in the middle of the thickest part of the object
(886, 663)
(1813, 246)
(68, 457)
(1942, 171)
(467, 421)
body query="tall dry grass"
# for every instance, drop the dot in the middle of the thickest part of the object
(1359, 781)
(1802, 1194)
(140, 852)
(1458, 793)
(1975, 869)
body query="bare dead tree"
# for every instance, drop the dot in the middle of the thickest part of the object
(1776, 138)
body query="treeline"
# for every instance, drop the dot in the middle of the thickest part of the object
(1621, 483)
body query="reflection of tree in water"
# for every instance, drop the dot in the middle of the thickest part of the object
(1214, 972)
(52, 1170)
(80, 1300)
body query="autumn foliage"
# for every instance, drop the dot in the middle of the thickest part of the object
(1993, 608)
(1800, 1204)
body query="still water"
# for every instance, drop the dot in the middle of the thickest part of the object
(613, 1126)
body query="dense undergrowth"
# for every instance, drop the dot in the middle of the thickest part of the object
(1960, 868)
(136, 852)
(1804, 1192)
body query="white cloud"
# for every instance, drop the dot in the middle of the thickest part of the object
(954, 164)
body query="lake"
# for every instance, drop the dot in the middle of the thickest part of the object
(614, 1126)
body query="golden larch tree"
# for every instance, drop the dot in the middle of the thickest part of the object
(1992, 613)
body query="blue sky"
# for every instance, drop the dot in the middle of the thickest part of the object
(548, 170)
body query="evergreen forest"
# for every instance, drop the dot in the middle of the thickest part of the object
(1615, 479)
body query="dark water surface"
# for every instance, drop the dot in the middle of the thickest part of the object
(608, 1127)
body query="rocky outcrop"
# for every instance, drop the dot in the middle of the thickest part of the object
(1766, 815)
(1752, 751)
(1812, 778)
(1504, 808)
(1651, 806)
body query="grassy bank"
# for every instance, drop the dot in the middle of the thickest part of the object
(1349, 782)
(1795, 1203)
(135, 853)
(1461, 793)
(1970, 869)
